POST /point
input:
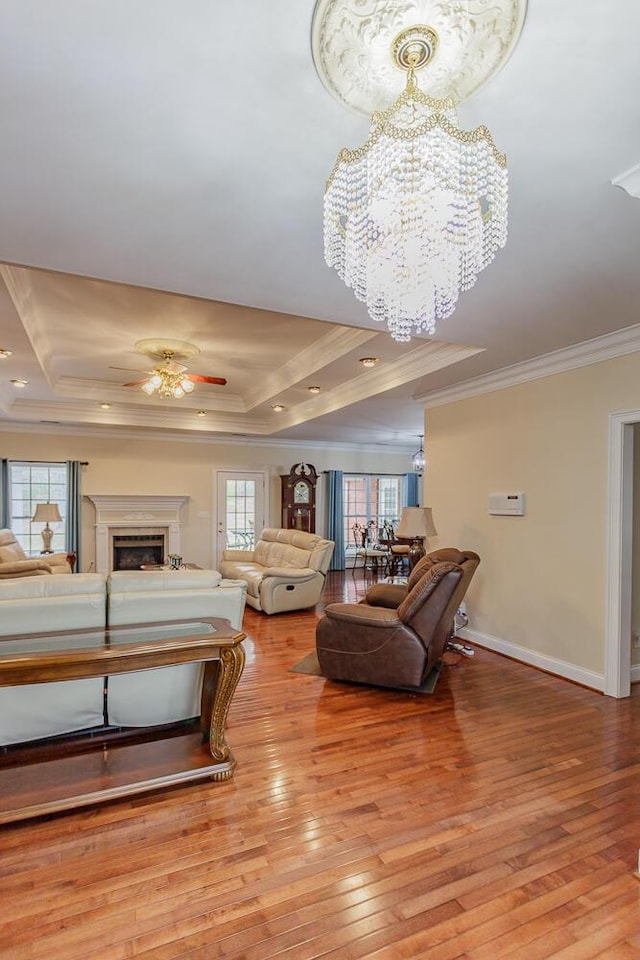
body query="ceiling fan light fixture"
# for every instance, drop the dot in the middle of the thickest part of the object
(149, 388)
(187, 385)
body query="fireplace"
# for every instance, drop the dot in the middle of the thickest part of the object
(131, 551)
(132, 530)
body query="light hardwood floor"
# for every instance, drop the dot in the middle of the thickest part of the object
(499, 817)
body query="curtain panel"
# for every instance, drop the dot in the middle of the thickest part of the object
(335, 518)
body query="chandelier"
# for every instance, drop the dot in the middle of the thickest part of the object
(413, 215)
(167, 384)
(418, 460)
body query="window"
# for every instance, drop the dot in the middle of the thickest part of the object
(370, 499)
(31, 483)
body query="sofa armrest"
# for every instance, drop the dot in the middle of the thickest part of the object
(297, 574)
(24, 568)
(242, 556)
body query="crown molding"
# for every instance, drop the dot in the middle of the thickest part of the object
(109, 432)
(629, 181)
(607, 347)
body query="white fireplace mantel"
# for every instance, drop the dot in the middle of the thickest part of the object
(133, 510)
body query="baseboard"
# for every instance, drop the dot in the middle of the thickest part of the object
(568, 671)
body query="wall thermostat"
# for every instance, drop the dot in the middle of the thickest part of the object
(506, 504)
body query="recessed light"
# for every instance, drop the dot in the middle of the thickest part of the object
(105, 406)
(19, 383)
(278, 407)
(369, 361)
(201, 413)
(314, 389)
(5, 354)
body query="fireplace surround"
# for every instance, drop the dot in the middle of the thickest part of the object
(137, 523)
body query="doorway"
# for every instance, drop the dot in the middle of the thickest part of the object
(239, 509)
(617, 671)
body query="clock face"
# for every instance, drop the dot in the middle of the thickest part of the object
(301, 492)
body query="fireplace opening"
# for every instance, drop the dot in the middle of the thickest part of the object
(131, 552)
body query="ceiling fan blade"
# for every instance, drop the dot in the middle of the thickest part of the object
(199, 379)
(135, 383)
(129, 369)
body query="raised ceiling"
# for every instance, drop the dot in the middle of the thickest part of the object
(161, 175)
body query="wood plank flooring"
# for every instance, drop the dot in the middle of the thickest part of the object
(498, 817)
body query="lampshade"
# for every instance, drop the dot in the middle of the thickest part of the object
(416, 522)
(46, 512)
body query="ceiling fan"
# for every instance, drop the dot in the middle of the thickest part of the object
(169, 378)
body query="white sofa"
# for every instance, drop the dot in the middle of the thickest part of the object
(88, 601)
(285, 571)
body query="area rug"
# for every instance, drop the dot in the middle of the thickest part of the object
(311, 667)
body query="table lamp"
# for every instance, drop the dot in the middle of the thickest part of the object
(44, 513)
(416, 524)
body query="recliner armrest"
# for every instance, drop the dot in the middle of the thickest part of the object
(299, 574)
(22, 568)
(385, 595)
(358, 613)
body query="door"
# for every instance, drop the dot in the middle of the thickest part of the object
(240, 509)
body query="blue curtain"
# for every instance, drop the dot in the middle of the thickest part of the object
(74, 509)
(413, 489)
(4, 493)
(335, 518)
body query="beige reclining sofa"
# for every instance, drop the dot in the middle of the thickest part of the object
(285, 571)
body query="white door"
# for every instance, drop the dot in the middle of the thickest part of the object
(239, 509)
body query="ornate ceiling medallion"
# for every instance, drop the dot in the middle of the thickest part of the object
(351, 42)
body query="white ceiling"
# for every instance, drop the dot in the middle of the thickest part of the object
(161, 175)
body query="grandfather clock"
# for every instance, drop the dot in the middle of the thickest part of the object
(299, 498)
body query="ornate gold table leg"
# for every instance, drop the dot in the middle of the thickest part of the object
(230, 667)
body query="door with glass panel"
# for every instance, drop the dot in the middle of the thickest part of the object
(240, 510)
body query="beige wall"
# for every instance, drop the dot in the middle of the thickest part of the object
(542, 581)
(133, 466)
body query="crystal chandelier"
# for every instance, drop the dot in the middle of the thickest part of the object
(413, 215)
(167, 384)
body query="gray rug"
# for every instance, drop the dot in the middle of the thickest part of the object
(311, 667)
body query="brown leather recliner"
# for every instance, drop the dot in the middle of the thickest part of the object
(390, 647)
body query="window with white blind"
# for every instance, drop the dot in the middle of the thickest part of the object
(31, 483)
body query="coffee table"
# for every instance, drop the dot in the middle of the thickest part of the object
(106, 771)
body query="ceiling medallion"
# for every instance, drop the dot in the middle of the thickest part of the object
(351, 44)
